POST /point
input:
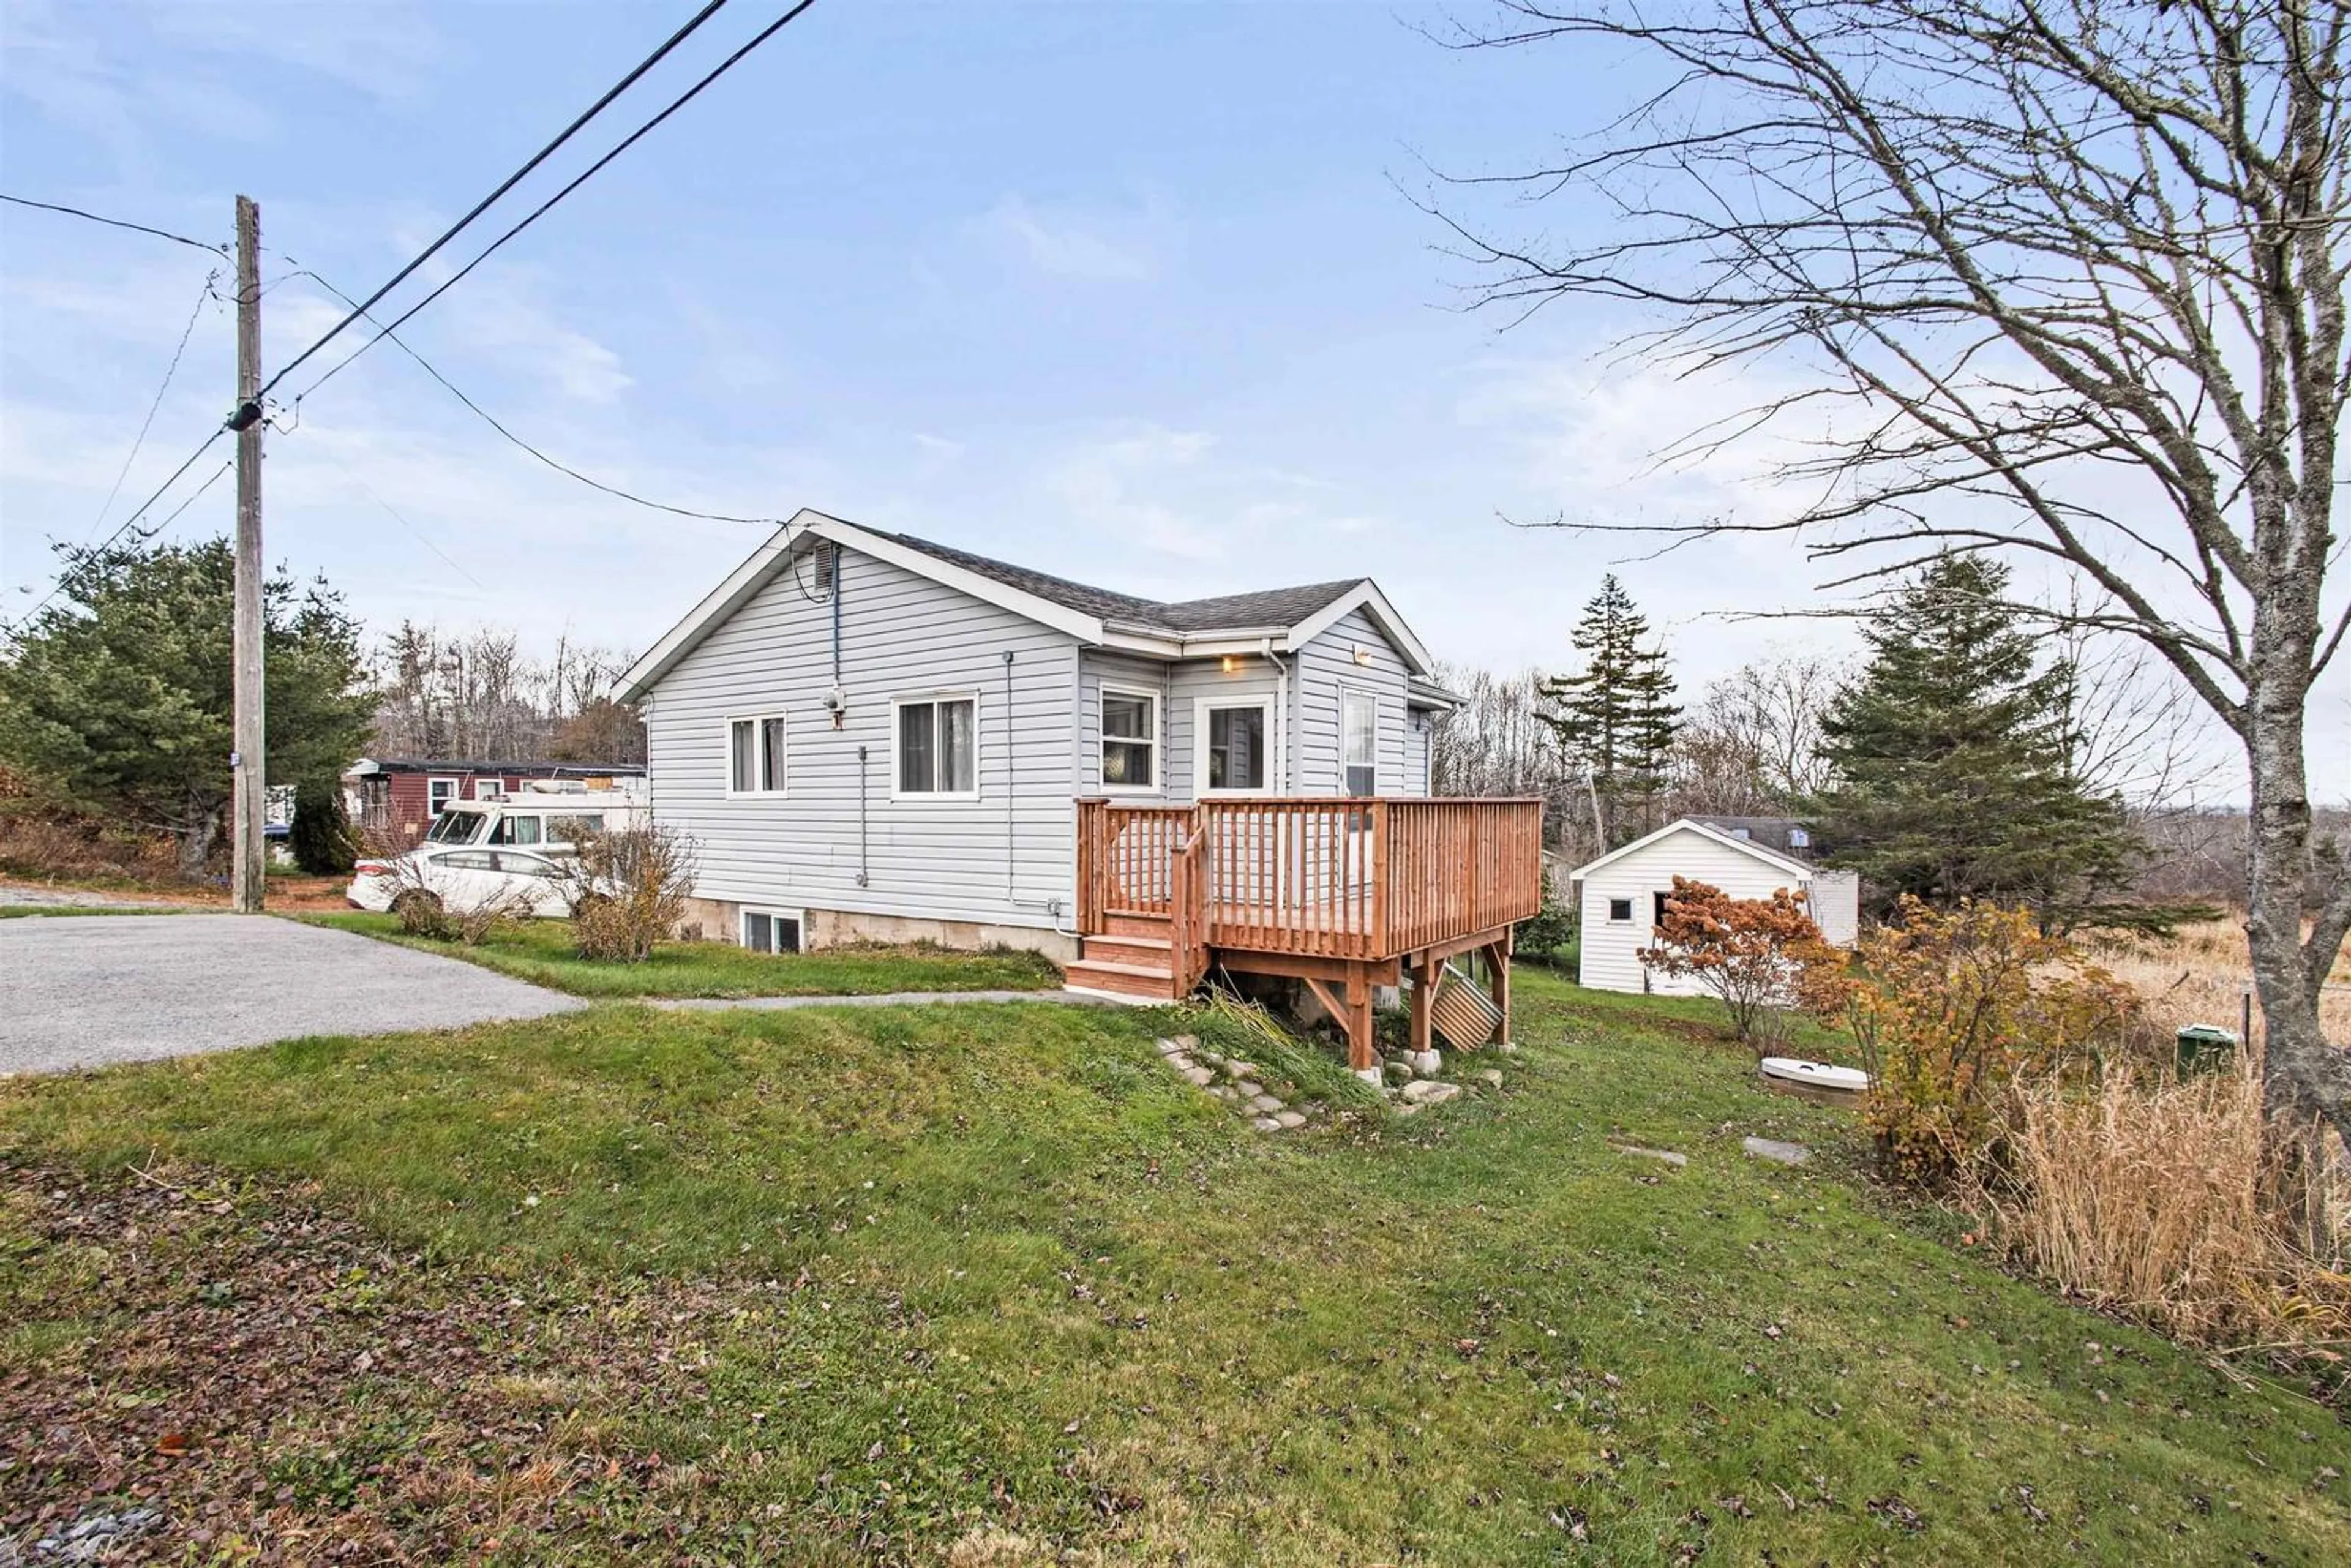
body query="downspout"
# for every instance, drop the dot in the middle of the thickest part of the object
(1051, 906)
(836, 618)
(1282, 770)
(863, 877)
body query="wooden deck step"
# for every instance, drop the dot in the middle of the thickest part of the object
(1121, 979)
(1142, 952)
(1133, 923)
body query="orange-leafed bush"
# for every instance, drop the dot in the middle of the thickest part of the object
(1761, 957)
(1956, 1005)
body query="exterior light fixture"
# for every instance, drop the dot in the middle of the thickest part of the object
(1228, 664)
(1363, 655)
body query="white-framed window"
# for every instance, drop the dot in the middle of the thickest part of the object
(755, 755)
(1130, 740)
(937, 746)
(1234, 741)
(1621, 909)
(1359, 742)
(490, 788)
(438, 793)
(773, 930)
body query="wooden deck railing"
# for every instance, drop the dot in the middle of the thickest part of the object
(1329, 876)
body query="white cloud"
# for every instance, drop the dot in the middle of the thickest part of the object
(1090, 248)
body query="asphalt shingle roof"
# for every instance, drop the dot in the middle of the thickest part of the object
(1235, 611)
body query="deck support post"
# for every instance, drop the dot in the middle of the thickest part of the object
(1427, 1060)
(1497, 967)
(1360, 1053)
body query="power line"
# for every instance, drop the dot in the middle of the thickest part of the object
(492, 420)
(124, 527)
(169, 371)
(507, 184)
(114, 223)
(770, 30)
(422, 538)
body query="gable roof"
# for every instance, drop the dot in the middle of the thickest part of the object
(1769, 857)
(1785, 834)
(1284, 617)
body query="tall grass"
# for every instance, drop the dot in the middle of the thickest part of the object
(2144, 1195)
(2201, 974)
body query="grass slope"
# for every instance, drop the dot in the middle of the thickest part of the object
(540, 951)
(985, 1283)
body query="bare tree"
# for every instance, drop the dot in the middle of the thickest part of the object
(480, 696)
(1499, 745)
(1750, 746)
(2062, 279)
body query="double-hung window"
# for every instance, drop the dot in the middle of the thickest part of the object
(938, 748)
(1359, 741)
(438, 793)
(755, 755)
(1130, 739)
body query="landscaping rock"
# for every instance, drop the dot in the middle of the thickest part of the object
(1187, 1042)
(1491, 1078)
(1775, 1150)
(1427, 1091)
(1265, 1104)
(1227, 1094)
(1289, 1120)
(1665, 1156)
(1199, 1075)
(1508, 1048)
(1400, 1069)
(1266, 1125)
(1250, 1089)
(1168, 1048)
(1235, 1068)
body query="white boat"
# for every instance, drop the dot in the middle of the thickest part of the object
(1815, 1075)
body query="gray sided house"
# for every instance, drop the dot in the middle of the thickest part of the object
(872, 735)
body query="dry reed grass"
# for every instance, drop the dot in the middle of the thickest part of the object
(2201, 974)
(2144, 1195)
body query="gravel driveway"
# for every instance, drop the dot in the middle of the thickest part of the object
(78, 992)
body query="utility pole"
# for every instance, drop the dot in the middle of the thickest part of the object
(252, 774)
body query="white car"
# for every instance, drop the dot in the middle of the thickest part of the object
(461, 879)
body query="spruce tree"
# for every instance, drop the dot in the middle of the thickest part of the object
(1618, 718)
(1952, 761)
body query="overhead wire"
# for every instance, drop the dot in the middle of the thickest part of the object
(113, 222)
(770, 30)
(146, 424)
(140, 511)
(495, 423)
(508, 183)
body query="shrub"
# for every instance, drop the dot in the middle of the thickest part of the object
(1756, 955)
(320, 835)
(1549, 929)
(627, 889)
(1958, 1005)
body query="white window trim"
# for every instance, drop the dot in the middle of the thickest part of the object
(773, 912)
(979, 751)
(1615, 919)
(1157, 738)
(1200, 709)
(727, 755)
(456, 791)
(496, 788)
(1364, 693)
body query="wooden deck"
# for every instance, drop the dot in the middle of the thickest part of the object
(1345, 893)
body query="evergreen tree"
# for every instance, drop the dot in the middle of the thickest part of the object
(320, 835)
(117, 699)
(1617, 719)
(1951, 760)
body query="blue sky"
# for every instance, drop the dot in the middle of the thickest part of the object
(1125, 291)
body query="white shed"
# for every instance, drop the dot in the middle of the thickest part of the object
(1621, 897)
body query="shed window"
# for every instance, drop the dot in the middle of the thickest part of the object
(1620, 909)
(755, 755)
(1130, 740)
(1359, 741)
(771, 931)
(938, 746)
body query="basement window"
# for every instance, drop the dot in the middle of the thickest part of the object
(771, 930)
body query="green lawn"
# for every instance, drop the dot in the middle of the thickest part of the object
(540, 951)
(986, 1284)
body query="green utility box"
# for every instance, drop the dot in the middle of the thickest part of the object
(2206, 1047)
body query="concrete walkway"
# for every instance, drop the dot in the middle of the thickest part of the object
(84, 992)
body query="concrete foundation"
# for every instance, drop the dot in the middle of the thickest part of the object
(721, 921)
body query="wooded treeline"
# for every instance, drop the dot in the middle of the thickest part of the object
(477, 696)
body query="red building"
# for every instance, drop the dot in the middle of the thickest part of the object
(401, 795)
